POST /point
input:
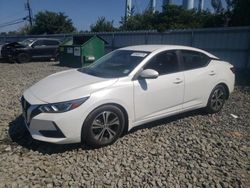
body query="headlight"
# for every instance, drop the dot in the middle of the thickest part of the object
(62, 106)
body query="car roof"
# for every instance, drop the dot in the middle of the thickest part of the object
(43, 39)
(151, 48)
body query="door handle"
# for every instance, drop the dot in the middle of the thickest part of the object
(177, 81)
(212, 73)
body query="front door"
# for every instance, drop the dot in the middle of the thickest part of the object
(163, 95)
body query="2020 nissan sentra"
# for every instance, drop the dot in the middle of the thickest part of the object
(125, 88)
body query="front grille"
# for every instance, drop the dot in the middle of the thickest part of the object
(25, 106)
(35, 112)
(29, 111)
(6, 51)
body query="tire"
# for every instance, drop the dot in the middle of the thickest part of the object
(56, 58)
(103, 126)
(216, 99)
(23, 58)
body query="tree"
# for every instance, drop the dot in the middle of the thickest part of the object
(240, 13)
(229, 4)
(176, 17)
(51, 23)
(143, 21)
(102, 25)
(209, 20)
(24, 30)
(217, 5)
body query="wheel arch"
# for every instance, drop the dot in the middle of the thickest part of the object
(20, 51)
(226, 88)
(124, 111)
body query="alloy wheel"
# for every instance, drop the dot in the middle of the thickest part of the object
(23, 58)
(217, 99)
(105, 126)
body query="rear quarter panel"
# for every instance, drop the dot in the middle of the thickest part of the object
(223, 73)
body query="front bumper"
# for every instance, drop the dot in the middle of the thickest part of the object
(60, 128)
(8, 54)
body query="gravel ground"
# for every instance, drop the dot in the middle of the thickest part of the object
(189, 150)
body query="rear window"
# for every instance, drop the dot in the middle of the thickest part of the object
(51, 42)
(194, 60)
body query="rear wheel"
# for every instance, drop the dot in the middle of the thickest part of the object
(103, 126)
(216, 100)
(23, 58)
(56, 58)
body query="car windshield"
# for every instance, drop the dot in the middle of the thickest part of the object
(116, 64)
(26, 42)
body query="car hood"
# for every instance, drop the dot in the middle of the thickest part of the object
(14, 45)
(67, 85)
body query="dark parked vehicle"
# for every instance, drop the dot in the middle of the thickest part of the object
(31, 48)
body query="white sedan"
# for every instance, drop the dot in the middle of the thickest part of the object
(125, 88)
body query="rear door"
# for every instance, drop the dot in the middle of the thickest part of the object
(37, 49)
(50, 47)
(163, 95)
(199, 78)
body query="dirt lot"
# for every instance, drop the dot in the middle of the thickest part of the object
(189, 150)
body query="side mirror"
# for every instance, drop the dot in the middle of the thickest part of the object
(149, 73)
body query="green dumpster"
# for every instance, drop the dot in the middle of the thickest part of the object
(81, 50)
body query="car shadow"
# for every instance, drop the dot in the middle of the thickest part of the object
(164, 121)
(5, 61)
(19, 134)
(36, 60)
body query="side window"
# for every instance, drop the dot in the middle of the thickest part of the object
(194, 60)
(50, 43)
(38, 43)
(164, 63)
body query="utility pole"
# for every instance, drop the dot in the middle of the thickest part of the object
(29, 11)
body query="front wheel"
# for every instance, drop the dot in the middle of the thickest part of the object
(216, 100)
(103, 126)
(23, 58)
